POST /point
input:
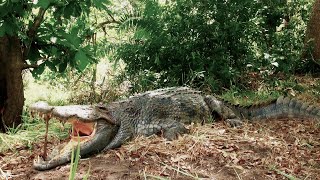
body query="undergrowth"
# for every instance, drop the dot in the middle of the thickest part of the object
(31, 130)
(304, 87)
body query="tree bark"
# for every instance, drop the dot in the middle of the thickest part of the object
(11, 83)
(313, 32)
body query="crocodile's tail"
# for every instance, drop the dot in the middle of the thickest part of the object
(279, 108)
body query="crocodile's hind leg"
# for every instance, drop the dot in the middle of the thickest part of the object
(223, 111)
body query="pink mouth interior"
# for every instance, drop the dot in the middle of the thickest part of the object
(81, 129)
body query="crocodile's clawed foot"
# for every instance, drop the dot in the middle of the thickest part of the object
(38, 160)
(234, 122)
(40, 164)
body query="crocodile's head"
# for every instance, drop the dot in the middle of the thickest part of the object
(92, 130)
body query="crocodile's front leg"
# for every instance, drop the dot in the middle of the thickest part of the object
(172, 130)
(222, 110)
(169, 128)
(124, 133)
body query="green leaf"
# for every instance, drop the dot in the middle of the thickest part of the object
(34, 54)
(54, 51)
(82, 59)
(101, 4)
(44, 3)
(73, 9)
(62, 67)
(5, 8)
(2, 30)
(73, 39)
(157, 60)
(51, 66)
(6, 28)
(39, 70)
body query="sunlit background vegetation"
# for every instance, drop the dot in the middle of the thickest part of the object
(233, 49)
(215, 46)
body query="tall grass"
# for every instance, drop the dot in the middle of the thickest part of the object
(31, 130)
(75, 157)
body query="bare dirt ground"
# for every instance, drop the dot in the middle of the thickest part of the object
(274, 149)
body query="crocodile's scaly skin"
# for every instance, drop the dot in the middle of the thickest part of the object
(163, 111)
(167, 110)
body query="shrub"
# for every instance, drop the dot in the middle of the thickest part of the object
(216, 44)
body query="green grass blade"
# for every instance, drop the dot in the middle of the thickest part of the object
(75, 157)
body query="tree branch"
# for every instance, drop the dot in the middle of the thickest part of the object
(36, 23)
(113, 20)
(312, 58)
(33, 29)
(27, 66)
(100, 25)
(110, 15)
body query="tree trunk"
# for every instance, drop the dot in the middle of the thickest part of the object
(11, 84)
(313, 32)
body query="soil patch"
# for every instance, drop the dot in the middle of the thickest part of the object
(261, 150)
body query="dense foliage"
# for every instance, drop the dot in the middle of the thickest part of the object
(54, 34)
(216, 44)
(35, 34)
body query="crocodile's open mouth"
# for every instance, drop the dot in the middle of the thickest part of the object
(92, 130)
(82, 129)
(90, 137)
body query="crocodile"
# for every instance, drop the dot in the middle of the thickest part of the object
(163, 112)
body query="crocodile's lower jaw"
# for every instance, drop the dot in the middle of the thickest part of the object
(81, 132)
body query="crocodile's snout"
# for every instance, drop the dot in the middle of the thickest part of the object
(89, 141)
(92, 130)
